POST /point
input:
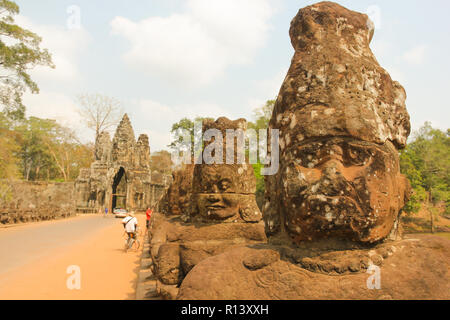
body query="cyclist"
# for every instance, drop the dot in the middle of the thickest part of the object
(130, 224)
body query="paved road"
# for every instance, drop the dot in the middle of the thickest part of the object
(20, 245)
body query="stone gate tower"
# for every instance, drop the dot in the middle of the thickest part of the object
(120, 176)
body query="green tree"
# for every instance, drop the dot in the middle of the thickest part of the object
(184, 125)
(34, 153)
(50, 151)
(262, 116)
(8, 150)
(426, 163)
(19, 52)
(9, 168)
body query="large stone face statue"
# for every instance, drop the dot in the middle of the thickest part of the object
(342, 120)
(225, 192)
(336, 199)
(341, 187)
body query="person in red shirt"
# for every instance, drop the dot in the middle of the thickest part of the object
(149, 215)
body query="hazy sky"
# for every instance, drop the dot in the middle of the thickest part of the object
(166, 60)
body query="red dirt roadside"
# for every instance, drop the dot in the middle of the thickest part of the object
(107, 272)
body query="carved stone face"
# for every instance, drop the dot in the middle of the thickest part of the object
(341, 187)
(219, 200)
(220, 194)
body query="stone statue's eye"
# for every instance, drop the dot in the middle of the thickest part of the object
(358, 156)
(308, 159)
(354, 154)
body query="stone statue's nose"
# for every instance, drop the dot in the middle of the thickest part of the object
(213, 197)
(334, 162)
(333, 166)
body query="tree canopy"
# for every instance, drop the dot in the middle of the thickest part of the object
(19, 52)
(41, 149)
(426, 163)
(187, 125)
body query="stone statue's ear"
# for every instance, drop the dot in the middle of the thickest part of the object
(249, 211)
(193, 209)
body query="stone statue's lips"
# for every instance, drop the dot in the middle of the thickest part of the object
(215, 207)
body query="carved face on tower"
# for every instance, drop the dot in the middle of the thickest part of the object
(103, 147)
(342, 120)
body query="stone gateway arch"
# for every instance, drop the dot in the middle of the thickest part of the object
(120, 176)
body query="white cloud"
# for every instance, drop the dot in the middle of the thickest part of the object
(64, 45)
(161, 117)
(416, 55)
(58, 106)
(271, 87)
(397, 75)
(195, 47)
(381, 48)
(265, 89)
(156, 118)
(158, 140)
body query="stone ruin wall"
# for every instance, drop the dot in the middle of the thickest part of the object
(37, 201)
(29, 201)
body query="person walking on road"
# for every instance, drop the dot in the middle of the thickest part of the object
(149, 215)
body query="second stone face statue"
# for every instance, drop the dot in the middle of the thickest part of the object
(225, 192)
(223, 214)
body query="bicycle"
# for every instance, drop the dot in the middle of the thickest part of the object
(132, 242)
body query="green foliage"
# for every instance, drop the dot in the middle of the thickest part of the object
(19, 52)
(178, 128)
(262, 117)
(426, 163)
(184, 125)
(260, 184)
(8, 150)
(40, 149)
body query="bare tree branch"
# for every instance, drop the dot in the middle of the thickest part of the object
(99, 112)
